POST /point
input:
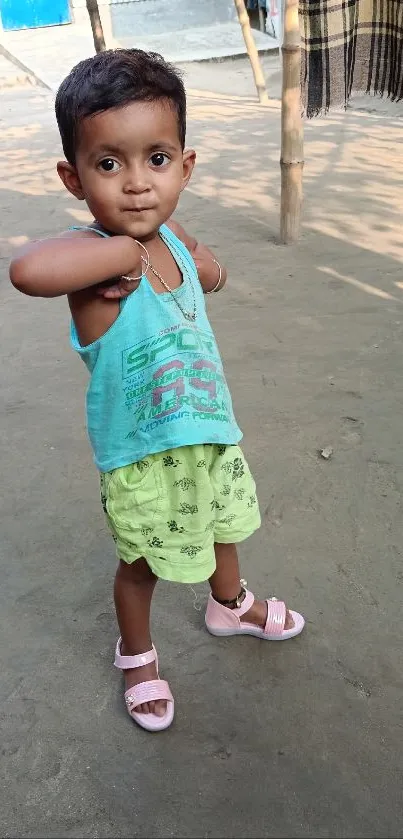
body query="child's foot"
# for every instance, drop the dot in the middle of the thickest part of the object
(257, 614)
(268, 619)
(144, 674)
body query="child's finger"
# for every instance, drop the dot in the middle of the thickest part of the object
(114, 292)
(111, 291)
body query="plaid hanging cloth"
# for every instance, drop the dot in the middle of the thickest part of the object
(349, 46)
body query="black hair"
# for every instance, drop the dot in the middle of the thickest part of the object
(112, 79)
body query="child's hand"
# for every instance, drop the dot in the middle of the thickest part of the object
(118, 289)
(212, 276)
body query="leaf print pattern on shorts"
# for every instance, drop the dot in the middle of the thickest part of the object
(146, 530)
(103, 502)
(185, 483)
(228, 519)
(169, 461)
(235, 468)
(188, 509)
(174, 527)
(155, 542)
(216, 506)
(202, 497)
(191, 550)
(239, 470)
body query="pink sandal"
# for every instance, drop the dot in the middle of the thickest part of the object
(223, 621)
(145, 691)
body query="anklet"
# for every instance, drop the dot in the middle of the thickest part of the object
(235, 602)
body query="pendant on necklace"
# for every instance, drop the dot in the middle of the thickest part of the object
(190, 315)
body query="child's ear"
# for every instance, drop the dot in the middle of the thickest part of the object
(68, 174)
(189, 160)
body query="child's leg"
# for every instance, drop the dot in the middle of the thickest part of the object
(226, 585)
(133, 591)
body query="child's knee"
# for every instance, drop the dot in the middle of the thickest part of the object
(136, 572)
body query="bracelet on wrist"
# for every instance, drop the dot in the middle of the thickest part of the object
(146, 261)
(218, 283)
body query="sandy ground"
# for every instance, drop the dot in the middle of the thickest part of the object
(299, 739)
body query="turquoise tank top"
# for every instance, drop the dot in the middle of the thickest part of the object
(157, 380)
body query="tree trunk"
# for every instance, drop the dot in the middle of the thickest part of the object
(96, 25)
(292, 129)
(252, 51)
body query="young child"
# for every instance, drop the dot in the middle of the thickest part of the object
(176, 489)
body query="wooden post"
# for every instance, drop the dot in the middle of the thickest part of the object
(252, 51)
(96, 25)
(292, 129)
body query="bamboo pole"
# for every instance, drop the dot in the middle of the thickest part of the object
(292, 129)
(252, 51)
(96, 25)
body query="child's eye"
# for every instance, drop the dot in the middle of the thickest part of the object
(109, 165)
(159, 159)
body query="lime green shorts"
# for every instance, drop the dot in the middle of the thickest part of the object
(173, 506)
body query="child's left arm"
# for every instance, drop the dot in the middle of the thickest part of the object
(209, 270)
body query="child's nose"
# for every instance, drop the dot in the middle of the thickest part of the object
(136, 180)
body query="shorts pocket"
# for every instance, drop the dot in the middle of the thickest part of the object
(134, 494)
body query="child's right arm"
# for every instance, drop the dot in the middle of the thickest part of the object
(72, 262)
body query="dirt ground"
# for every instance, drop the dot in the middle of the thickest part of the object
(301, 739)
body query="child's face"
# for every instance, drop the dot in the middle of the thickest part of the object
(130, 167)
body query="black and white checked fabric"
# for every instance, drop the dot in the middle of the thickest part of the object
(349, 46)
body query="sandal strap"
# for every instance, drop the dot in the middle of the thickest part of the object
(276, 614)
(246, 604)
(129, 662)
(147, 692)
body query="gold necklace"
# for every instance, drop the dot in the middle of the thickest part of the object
(148, 267)
(188, 315)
